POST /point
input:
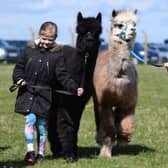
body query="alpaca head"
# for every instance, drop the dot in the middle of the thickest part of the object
(124, 25)
(88, 32)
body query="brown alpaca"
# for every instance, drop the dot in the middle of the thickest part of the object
(115, 82)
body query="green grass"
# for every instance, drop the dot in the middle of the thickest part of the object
(148, 148)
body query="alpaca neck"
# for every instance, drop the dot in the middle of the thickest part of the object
(91, 52)
(119, 49)
(119, 56)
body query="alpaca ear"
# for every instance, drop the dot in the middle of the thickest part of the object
(135, 11)
(99, 17)
(114, 13)
(79, 17)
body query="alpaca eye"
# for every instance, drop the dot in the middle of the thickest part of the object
(120, 26)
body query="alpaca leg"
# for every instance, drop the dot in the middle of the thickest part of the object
(99, 131)
(108, 127)
(53, 139)
(125, 129)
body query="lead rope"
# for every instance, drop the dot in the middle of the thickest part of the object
(84, 70)
(133, 54)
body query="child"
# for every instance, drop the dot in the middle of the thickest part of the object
(39, 69)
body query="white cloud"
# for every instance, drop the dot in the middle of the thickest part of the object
(66, 2)
(35, 5)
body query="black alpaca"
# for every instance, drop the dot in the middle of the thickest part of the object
(64, 120)
(88, 41)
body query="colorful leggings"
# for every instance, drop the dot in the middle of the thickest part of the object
(33, 121)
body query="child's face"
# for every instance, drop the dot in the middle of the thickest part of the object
(46, 42)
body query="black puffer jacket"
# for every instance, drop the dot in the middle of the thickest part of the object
(42, 71)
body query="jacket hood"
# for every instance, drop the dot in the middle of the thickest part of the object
(54, 48)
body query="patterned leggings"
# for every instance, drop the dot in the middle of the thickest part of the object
(31, 122)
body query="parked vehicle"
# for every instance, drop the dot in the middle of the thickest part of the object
(152, 55)
(103, 46)
(20, 44)
(138, 49)
(162, 51)
(8, 53)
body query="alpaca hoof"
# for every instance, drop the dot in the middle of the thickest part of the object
(105, 155)
(105, 152)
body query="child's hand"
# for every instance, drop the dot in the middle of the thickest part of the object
(80, 91)
(21, 82)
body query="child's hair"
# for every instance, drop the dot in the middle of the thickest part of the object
(48, 29)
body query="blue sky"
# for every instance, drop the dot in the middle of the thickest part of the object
(17, 16)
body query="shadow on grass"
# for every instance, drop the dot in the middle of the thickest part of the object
(10, 163)
(21, 163)
(3, 148)
(88, 152)
(84, 152)
(131, 150)
(13, 164)
(92, 152)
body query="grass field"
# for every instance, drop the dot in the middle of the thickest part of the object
(149, 145)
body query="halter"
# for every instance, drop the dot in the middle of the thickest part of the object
(123, 34)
